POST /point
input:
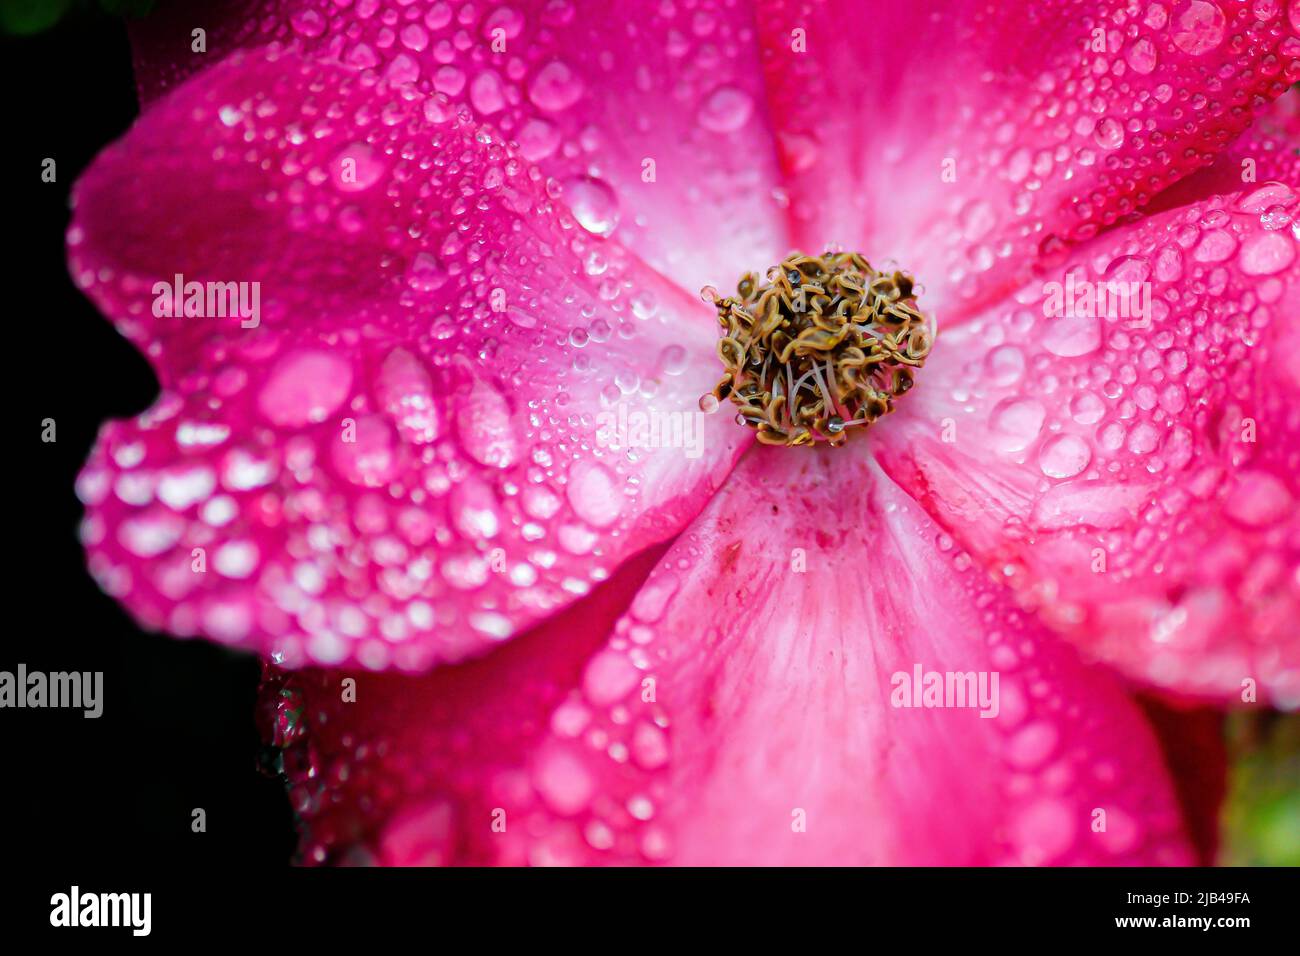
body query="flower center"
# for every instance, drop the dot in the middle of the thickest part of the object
(824, 346)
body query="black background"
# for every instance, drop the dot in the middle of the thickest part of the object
(177, 730)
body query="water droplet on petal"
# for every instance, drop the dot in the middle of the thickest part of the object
(1017, 422)
(555, 87)
(370, 459)
(1142, 56)
(1215, 246)
(1064, 456)
(304, 388)
(608, 678)
(1198, 26)
(426, 274)
(562, 779)
(593, 204)
(1109, 133)
(483, 424)
(405, 392)
(1267, 253)
(594, 494)
(356, 168)
(1072, 335)
(726, 110)
(1257, 499)
(538, 138)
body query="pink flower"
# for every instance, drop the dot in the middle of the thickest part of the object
(399, 471)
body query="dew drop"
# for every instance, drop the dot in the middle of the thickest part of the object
(483, 424)
(304, 388)
(486, 94)
(426, 274)
(594, 495)
(1198, 26)
(555, 87)
(1215, 246)
(1064, 456)
(1072, 335)
(562, 779)
(356, 168)
(538, 138)
(1142, 56)
(726, 110)
(608, 677)
(673, 360)
(593, 204)
(1109, 133)
(370, 460)
(1017, 422)
(1267, 253)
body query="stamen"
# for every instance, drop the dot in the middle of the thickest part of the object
(824, 345)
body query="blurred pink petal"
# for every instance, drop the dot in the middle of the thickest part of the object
(403, 463)
(1136, 479)
(651, 119)
(971, 140)
(740, 712)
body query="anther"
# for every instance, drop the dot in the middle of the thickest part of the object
(821, 348)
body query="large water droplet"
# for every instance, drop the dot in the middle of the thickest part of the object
(726, 110)
(1016, 422)
(555, 87)
(538, 138)
(593, 204)
(474, 510)
(1109, 133)
(486, 93)
(304, 388)
(1142, 56)
(1072, 335)
(425, 274)
(1266, 253)
(356, 168)
(1198, 26)
(370, 459)
(483, 424)
(1064, 456)
(1215, 246)
(405, 392)
(562, 779)
(608, 678)
(1258, 499)
(594, 494)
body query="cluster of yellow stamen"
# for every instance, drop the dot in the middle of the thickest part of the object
(825, 345)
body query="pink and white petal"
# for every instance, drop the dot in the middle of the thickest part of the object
(419, 448)
(747, 710)
(1264, 153)
(650, 116)
(971, 140)
(1132, 471)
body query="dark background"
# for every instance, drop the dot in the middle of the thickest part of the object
(177, 730)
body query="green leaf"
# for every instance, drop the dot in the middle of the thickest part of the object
(1261, 815)
(27, 17)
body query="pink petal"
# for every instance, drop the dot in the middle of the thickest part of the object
(416, 453)
(1136, 480)
(968, 140)
(649, 116)
(746, 692)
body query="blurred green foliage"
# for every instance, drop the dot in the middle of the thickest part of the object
(28, 17)
(1261, 814)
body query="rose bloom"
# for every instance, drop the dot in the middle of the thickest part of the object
(552, 561)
